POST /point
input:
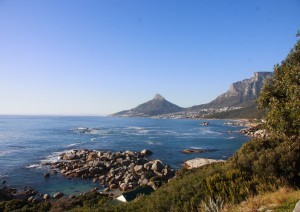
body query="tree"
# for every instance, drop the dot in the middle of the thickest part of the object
(280, 97)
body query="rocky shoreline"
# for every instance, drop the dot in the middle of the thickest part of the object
(116, 172)
(113, 170)
(255, 132)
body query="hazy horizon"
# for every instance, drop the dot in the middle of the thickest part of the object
(100, 57)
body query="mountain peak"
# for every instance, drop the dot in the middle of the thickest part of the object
(158, 97)
(157, 106)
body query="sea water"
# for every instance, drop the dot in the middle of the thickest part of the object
(28, 141)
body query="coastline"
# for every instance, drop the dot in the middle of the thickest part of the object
(144, 131)
(160, 175)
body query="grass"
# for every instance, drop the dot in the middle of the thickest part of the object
(283, 199)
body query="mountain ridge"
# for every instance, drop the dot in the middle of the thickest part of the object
(240, 96)
(239, 93)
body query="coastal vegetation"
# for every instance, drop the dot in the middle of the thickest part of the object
(248, 111)
(263, 171)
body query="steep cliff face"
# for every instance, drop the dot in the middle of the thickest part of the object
(157, 106)
(239, 93)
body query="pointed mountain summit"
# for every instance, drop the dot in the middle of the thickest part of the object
(158, 97)
(157, 106)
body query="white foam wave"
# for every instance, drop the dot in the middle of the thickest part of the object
(153, 142)
(230, 138)
(74, 144)
(196, 147)
(135, 128)
(143, 131)
(86, 130)
(92, 139)
(34, 166)
(81, 128)
(54, 157)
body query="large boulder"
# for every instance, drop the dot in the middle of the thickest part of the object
(58, 195)
(198, 162)
(95, 170)
(147, 166)
(157, 166)
(138, 169)
(146, 152)
(125, 162)
(131, 167)
(124, 186)
(92, 156)
(70, 156)
(97, 163)
(141, 161)
(46, 196)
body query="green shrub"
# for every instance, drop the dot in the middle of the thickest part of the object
(271, 158)
(14, 204)
(280, 97)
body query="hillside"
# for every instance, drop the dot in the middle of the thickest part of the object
(239, 94)
(157, 106)
(249, 111)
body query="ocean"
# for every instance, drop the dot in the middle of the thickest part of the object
(28, 141)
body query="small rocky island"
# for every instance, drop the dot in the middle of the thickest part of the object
(114, 170)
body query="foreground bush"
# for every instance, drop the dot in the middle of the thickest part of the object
(272, 158)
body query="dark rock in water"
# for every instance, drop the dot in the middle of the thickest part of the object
(47, 174)
(146, 152)
(4, 181)
(190, 151)
(58, 195)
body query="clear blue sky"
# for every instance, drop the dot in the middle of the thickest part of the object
(103, 56)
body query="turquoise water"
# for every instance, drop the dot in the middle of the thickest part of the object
(27, 141)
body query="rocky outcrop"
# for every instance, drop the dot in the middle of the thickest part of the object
(198, 162)
(255, 132)
(7, 193)
(123, 170)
